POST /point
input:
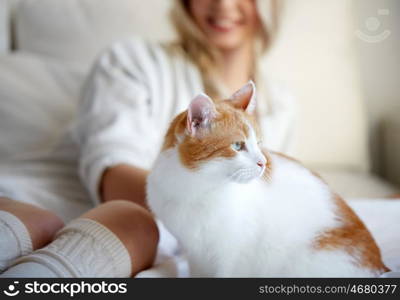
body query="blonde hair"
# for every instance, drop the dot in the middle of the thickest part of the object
(202, 54)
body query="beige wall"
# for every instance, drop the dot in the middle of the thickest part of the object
(314, 55)
(379, 65)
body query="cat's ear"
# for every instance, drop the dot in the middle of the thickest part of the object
(200, 113)
(245, 98)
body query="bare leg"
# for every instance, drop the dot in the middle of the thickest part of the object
(127, 226)
(41, 224)
(24, 228)
(133, 225)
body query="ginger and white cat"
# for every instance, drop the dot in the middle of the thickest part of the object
(240, 211)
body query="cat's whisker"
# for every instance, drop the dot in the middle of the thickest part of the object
(234, 175)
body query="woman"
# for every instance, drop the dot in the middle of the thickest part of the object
(132, 93)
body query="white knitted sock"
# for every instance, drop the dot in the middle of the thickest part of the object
(28, 269)
(83, 248)
(14, 239)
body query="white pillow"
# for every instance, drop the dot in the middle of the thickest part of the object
(75, 30)
(38, 99)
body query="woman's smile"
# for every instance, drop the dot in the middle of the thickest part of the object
(223, 24)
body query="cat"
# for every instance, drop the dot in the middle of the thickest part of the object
(241, 211)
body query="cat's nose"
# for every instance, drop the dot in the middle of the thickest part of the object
(261, 164)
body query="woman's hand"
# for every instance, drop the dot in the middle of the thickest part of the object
(124, 182)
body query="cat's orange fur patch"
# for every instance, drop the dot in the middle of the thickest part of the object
(229, 125)
(353, 237)
(268, 166)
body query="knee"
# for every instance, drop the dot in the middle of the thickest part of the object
(125, 217)
(133, 225)
(46, 223)
(130, 219)
(41, 224)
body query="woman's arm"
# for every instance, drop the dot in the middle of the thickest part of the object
(124, 181)
(115, 130)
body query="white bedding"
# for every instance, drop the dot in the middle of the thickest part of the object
(382, 217)
(38, 98)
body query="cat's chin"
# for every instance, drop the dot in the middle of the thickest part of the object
(244, 176)
(246, 180)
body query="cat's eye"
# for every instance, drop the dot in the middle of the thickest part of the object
(259, 143)
(239, 146)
